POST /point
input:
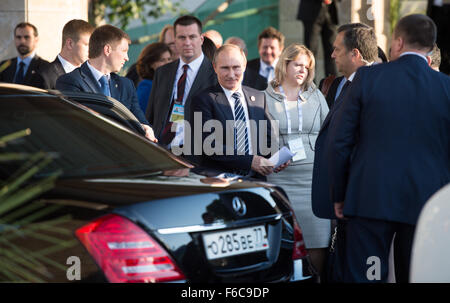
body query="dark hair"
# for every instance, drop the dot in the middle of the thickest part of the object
(435, 57)
(149, 55)
(208, 48)
(25, 24)
(74, 29)
(271, 33)
(105, 34)
(418, 31)
(382, 55)
(362, 37)
(188, 20)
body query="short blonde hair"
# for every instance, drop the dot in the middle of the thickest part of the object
(289, 54)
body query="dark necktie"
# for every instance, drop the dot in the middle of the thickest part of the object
(343, 91)
(167, 134)
(240, 126)
(104, 86)
(19, 75)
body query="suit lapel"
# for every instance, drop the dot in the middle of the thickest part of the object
(335, 107)
(31, 69)
(11, 71)
(89, 79)
(59, 69)
(252, 105)
(223, 103)
(171, 78)
(114, 87)
(203, 74)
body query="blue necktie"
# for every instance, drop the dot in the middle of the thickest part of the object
(240, 126)
(270, 74)
(19, 76)
(105, 86)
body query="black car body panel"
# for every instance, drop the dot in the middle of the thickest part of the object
(107, 168)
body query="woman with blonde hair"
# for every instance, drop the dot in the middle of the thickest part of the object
(300, 109)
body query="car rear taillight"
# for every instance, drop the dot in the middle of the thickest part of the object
(126, 253)
(299, 251)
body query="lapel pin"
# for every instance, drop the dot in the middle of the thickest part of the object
(33, 72)
(252, 98)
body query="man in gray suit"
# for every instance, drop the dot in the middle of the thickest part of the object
(176, 83)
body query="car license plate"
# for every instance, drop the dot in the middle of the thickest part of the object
(235, 242)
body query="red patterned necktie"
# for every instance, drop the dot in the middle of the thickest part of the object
(167, 134)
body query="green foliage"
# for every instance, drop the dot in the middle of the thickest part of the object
(394, 13)
(123, 11)
(19, 217)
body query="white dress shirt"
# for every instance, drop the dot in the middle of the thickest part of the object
(192, 72)
(67, 66)
(263, 70)
(231, 100)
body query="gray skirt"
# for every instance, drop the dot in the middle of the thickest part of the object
(296, 180)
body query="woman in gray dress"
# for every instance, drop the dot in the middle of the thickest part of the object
(300, 109)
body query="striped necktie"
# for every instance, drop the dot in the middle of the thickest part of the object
(240, 127)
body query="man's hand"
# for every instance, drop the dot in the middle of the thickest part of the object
(149, 134)
(282, 166)
(262, 165)
(339, 210)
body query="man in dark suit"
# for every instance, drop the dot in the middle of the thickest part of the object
(355, 46)
(74, 51)
(26, 68)
(390, 152)
(175, 83)
(238, 115)
(320, 18)
(439, 11)
(270, 46)
(108, 52)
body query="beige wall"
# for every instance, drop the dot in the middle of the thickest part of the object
(293, 29)
(49, 16)
(375, 13)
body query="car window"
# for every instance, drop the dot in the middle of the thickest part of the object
(81, 142)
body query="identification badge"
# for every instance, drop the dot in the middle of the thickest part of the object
(177, 114)
(296, 146)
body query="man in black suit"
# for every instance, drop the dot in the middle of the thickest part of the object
(320, 18)
(345, 58)
(175, 83)
(355, 46)
(108, 52)
(439, 11)
(74, 51)
(270, 46)
(26, 68)
(238, 115)
(390, 152)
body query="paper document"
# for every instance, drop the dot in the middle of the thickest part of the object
(281, 156)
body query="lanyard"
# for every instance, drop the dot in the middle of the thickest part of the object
(288, 115)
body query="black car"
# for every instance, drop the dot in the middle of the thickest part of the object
(118, 212)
